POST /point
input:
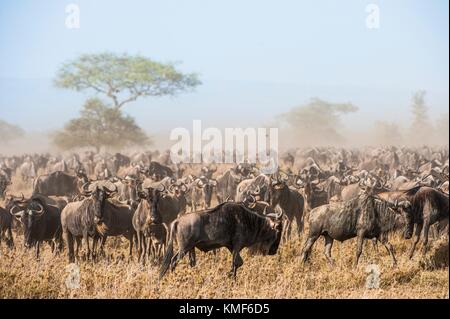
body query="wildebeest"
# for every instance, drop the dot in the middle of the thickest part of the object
(290, 201)
(155, 208)
(364, 217)
(6, 220)
(199, 192)
(314, 193)
(77, 218)
(258, 185)
(230, 225)
(158, 171)
(41, 222)
(429, 206)
(59, 184)
(227, 185)
(114, 219)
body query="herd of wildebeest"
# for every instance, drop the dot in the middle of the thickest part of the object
(165, 210)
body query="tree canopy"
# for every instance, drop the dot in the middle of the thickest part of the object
(123, 78)
(318, 122)
(100, 125)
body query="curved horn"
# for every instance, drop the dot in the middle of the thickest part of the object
(109, 190)
(40, 211)
(163, 188)
(18, 214)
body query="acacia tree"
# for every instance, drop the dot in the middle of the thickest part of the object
(421, 127)
(123, 78)
(318, 122)
(100, 125)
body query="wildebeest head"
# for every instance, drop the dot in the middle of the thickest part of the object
(405, 207)
(28, 218)
(207, 185)
(269, 245)
(153, 195)
(278, 189)
(178, 188)
(99, 194)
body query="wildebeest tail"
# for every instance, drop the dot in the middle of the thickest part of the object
(169, 251)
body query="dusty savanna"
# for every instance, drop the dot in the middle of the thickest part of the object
(278, 276)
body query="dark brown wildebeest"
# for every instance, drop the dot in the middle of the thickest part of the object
(59, 184)
(41, 222)
(155, 208)
(315, 194)
(114, 219)
(158, 171)
(230, 225)
(364, 217)
(6, 220)
(290, 201)
(77, 219)
(429, 206)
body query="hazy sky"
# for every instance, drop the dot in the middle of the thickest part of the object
(255, 58)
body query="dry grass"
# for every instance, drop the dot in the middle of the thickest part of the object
(279, 276)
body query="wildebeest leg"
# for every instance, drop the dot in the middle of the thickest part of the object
(306, 251)
(426, 229)
(299, 222)
(417, 233)
(375, 244)
(287, 230)
(102, 245)
(192, 259)
(359, 248)
(38, 244)
(237, 262)
(10, 240)
(69, 241)
(88, 247)
(79, 243)
(130, 240)
(51, 243)
(328, 246)
(139, 245)
(390, 249)
(175, 259)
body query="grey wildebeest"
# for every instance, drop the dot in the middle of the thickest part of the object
(41, 222)
(227, 185)
(77, 219)
(230, 225)
(364, 217)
